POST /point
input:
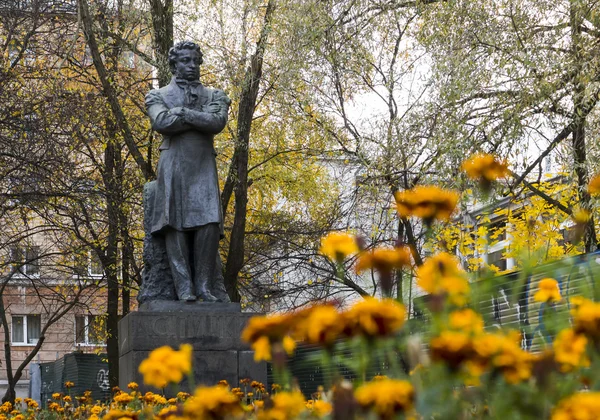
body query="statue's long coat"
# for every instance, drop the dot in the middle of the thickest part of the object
(187, 193)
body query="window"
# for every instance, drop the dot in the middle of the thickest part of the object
(26, 260)
(89, 330)
(496, 259)
(26, 329)
(497, 231)
(89, 265)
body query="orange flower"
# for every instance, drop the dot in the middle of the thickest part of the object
(594, 185)
(374, 318)
(321, 324)
(383, 259)
(570, 350)
(337, 246)
(262, 332)
(387, 397)
(548, 291)
(484, 167)
(427, 203)
(440, 275)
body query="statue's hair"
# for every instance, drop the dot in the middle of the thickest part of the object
(182, 45)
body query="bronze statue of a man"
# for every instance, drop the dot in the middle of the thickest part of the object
(187, 205)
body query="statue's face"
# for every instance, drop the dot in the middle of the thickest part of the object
(187, 65)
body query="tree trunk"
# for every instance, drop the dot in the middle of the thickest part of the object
(162, 37)
(235, 257)
(579, 122)
(109, 263)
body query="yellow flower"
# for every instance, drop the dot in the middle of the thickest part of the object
(96, 409)
(440, 275)
(133, 386)
(120, 415)
(56, 396)
(262, 332)
(69, 384)
(320, 325)
(582, 405)
(321, 408)
(466, 320)
(387, 398)
(215, 402)
(570, 350)
(484, 167)
(337, 246)
(514, 363)
(452, 347)
(581, 216)
(594, 185)
(427, 203)
(586, 317)
(372, 318)
(285, 405)
(165, 365)
(67, 398)
(383, 259)
(123, 398)
(548, 291)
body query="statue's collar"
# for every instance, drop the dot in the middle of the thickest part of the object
(182, 83)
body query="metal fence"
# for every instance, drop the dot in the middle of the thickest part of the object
(88, 372)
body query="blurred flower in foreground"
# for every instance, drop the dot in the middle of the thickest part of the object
(586, 317)
(374, 318)
(485, 168)
(427, 203)
(384, 260)
(452, 347)
(337, 246)
(120, 415)
(583, 405)
(387, 397)
(264, 332)
(215, 402)
(466, 320)
(321, 324)
(441, 275)
(570, 350)
(594, 185)
(319, 408)
(548, 291)
(165, 365)
(285, 405)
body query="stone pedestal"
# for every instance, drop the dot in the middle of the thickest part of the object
(213, 329)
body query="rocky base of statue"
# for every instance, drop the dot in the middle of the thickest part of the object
(157, 281)
(213, 329)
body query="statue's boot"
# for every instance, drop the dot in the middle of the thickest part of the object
(207, 296)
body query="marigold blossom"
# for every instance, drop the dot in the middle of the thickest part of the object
(337, 246)
(372, 318)
(387, 397)
(548, 291)
(165, 365)
(466, 320)
(321, 324)
(484, 167)
(427, 203)
(215, 402)
(582, 405)
(594, 185)
(570, 350)
(383, 259)
(441, 275)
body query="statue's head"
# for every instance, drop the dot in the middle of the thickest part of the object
(185, 58)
